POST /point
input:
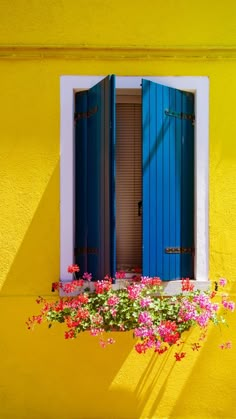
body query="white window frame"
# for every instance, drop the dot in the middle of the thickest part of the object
(200, 87)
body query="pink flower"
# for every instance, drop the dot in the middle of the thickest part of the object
(203, 319)
(95, 331)
(143, 332)
(113, 300)
(145, 302)
(222, 282)
(229, 305)
(134, 291)
(168, 331)
(113, 312)
(87, 276)
(144, 317)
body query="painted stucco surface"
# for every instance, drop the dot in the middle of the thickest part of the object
(105, 22)
(42, 375)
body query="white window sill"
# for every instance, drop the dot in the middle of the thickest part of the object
(169, 287)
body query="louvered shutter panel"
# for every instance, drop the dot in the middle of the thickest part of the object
(95, 193)
(128, 185)
(168, 182)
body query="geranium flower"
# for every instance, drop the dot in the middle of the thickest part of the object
(222, 282)
(145, 318)
(158, 322)
(73, 268)
(187, 285)
(120, 275)
(87, 276)
(70, 334)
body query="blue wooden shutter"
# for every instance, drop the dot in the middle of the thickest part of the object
(168, 181)
(95, 184)
(81, 106)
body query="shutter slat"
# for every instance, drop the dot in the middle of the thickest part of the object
(168, 181)
(94, 169)
(128, 185)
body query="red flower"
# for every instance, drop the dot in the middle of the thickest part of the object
(167, 331)
(71, 286)
(55, 286)
(82, 314)
(186, 285)
(180, 356)
(108, 278)
(140, 348)
(151, 281)
(156, 281)
(73, 268)
(102, 286)
(78, 283)
(82, 298)
(120, 275)
(70, 334)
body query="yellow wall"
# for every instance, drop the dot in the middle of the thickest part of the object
(41, 375)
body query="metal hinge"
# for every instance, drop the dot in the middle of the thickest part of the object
(177, 250)
(181, 115)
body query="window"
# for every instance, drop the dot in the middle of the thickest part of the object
(197, 85)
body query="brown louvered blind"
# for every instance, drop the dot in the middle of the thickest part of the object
(128, 185)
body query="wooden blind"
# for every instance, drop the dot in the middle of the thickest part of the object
(128, 185)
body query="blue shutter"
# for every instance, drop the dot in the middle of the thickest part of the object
(81, 179)
(168, 181)
(95, 171)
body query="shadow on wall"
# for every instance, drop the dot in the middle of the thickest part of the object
(202, 385)
(44, 376)
(36, 264)
(209, 391)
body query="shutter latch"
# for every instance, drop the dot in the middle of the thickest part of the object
(181, 115)
(177, 250)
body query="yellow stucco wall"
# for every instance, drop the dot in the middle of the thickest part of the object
(41, 375)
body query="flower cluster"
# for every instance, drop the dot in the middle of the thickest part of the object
(157, 321)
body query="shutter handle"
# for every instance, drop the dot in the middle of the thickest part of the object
(140, 208)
